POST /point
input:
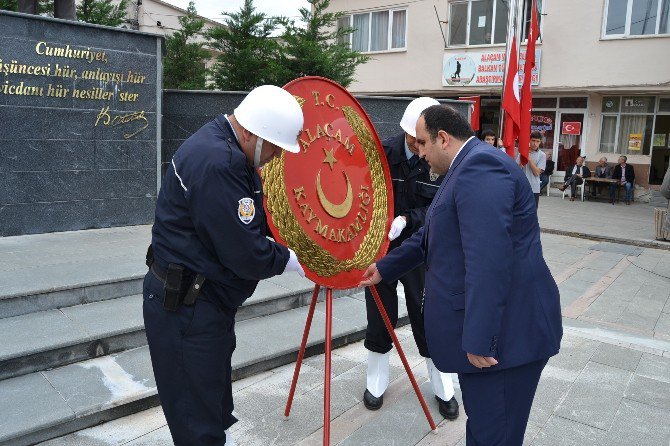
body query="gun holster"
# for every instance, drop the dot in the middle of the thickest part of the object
(173, 280)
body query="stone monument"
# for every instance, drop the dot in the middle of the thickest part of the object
(80, 125)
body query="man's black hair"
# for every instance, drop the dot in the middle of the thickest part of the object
(535, 135)
(488, 132)
(443, 117)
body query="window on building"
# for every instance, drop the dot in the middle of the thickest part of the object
(637, 17)
(482, 22)
(627, 124)
(573, 102)
(344, 22)
(376, 31)
(543, 102)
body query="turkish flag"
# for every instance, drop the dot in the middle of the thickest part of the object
(474, 110)
(526, 94)
(571, 128)
(510, 101)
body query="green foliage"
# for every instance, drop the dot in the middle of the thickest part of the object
(102, 12)
(43, 7)
(184, 62)
(9, 5)
(313, 50)
(250, 56)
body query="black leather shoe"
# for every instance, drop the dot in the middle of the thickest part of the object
(372, 402)
(448, 409)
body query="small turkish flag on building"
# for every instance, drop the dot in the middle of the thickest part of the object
(571, 128)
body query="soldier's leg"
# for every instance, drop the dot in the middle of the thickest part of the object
(413, 283)
(378, 341)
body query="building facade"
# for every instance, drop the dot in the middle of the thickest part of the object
(602, 78)
(158, 17)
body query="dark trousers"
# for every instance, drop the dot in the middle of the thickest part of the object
(544, 180)
(498, 404)
(377, 338)
(573, 182)
(629, 190)
(537, 199)
(191, 351)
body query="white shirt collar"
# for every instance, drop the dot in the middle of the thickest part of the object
(459, 150)
(232, 128)
(408, 153)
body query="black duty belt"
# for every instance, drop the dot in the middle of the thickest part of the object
(174, 280)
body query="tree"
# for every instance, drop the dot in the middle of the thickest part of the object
(320, 48)
(9, 5)
(184, 62)
(102, 12)
(44, 7)
(250, 56)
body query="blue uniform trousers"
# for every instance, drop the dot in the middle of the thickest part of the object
(191, 351)
(498, 403)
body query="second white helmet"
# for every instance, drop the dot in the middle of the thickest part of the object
(273, 114)
(413, 111)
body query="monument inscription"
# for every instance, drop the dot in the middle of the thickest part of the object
(80, 140)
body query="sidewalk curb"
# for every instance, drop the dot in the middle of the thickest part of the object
(600, 238)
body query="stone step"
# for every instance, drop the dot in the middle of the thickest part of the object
(53, 338)
(112, 386)
(41, 272)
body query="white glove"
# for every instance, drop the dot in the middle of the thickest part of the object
(397, 226)
(293, 264)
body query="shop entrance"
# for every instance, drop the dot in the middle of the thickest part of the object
(660, 149)
(569, 144)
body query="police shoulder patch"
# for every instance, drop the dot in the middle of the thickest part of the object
(434, 176)
(246, 210)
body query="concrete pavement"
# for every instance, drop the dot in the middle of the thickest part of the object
(609, 385)
(598, 219)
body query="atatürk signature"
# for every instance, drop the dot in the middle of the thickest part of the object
(104, 118)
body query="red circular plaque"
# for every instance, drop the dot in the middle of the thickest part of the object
(332, 202)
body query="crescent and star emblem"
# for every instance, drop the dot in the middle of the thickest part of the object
(334, 210)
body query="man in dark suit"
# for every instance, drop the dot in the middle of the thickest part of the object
(491, 307)
(626, 175)
(414, 187)
(574, 176)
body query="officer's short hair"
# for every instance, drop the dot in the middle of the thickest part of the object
(488, 132)
(446, 118)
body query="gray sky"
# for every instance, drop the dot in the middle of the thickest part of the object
(213, 9)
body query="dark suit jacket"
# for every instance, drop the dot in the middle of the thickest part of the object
(630, 173)
(586, 173)
(488, 290)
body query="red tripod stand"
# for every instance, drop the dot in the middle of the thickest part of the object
(327, 372)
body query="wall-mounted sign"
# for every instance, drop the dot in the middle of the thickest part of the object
(634, 142)
(484, 68)
(571, 128)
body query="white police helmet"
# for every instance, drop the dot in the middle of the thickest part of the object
(412, 113)
(273, 114)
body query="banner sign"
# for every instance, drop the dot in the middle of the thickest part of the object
(483, 68)
(332, 203)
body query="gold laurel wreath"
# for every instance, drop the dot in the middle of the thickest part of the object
(311, 254)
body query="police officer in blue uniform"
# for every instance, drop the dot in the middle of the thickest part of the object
(208, 252)
(414, 187)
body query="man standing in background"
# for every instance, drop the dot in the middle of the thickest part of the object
(537, 162)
